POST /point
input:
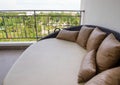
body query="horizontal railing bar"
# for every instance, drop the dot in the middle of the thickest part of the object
(47, 10)
(40, 15)
(22, 38)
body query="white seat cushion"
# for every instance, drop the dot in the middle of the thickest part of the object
(47, 62)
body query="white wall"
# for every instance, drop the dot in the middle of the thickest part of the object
(104, 13)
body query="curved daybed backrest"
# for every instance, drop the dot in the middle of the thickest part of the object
(77, 28)
(108, 31)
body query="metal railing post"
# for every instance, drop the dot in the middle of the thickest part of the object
(35, 25)
(82, 17)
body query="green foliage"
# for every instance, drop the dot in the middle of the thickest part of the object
(15, 26)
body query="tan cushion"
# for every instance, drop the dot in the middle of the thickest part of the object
(108, 77)
(67, 35)
(84, 35)
(95, 39)
(88, 67)
(108, 53)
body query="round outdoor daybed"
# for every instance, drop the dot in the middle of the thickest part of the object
(50, 61)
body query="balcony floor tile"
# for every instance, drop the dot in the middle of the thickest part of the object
(7, 59)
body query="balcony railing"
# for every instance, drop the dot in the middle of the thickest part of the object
(27, 25)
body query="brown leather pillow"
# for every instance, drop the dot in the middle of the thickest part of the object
(108, 53)
(67, 35)
(88, 67)
(95, 39)
(84, 35)
(108, 77)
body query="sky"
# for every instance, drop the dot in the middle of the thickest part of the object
(40, 4)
